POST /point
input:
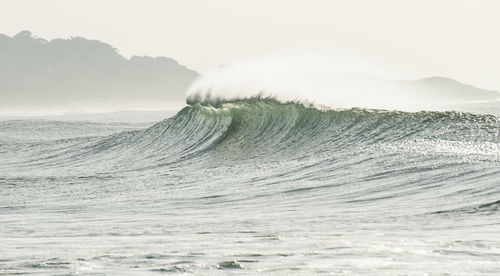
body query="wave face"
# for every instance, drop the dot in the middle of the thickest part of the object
(256, 185)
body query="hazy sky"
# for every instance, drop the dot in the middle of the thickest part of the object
(404, 39)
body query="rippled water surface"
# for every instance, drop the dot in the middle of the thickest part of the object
(253, 186)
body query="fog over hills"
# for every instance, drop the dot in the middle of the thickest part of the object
(79, 73)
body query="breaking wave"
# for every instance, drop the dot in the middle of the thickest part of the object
(222, 173)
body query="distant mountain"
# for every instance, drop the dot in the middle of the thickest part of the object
(432, 89)
(450, 89)
(77, 71)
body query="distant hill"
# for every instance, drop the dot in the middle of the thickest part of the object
(41, 73)
(433, 93)
(450, 89)
(439, 89)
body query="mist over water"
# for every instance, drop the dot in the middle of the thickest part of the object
(341, 137)
(338, 83)
(272, 168)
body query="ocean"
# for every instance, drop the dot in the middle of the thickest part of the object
(253, 186)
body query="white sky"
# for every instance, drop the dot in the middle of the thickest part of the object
(403, 39)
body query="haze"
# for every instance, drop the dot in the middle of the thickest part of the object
(399, 39)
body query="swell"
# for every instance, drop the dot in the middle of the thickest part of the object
(355, 157)
(265, 128)
(257, 129)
